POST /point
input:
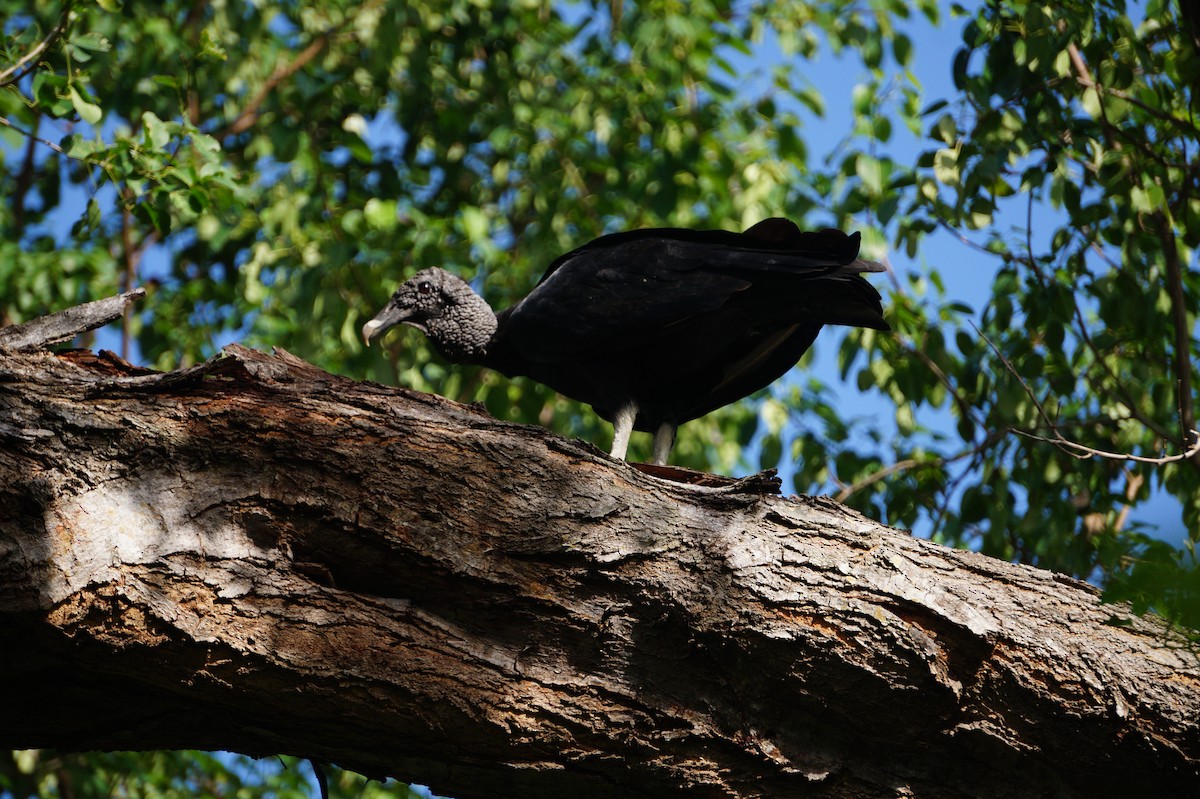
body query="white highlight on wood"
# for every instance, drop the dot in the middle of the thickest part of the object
(95, 533)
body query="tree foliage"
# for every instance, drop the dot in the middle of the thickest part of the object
(155, 775)
(273, 169)
(1068, 162)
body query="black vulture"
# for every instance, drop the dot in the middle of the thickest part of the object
(654, 327)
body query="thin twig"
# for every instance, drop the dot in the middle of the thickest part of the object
(249, 114)
(952, 487)
(1122, 391)
(25, 179)
(914, 463)
(1133, 484)
(1081, 326)
(132, 256)
(1082, 73)
(17, 70)
(887, 471)
(1083, 453)
(1183, 337)
(1033, 264)
(1084, 336)
(1183, 367)
(1072, 448)
(961, 238)
(4, 121)
(1013, 371)
(1084, 79)
(964, 408)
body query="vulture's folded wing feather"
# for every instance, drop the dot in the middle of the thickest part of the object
(628, 289)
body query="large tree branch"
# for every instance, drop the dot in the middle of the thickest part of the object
(256, 555)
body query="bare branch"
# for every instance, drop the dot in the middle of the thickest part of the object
(1084, 75)
(1013, 371)
(895, 468)
(132, 253)
(1133, 484)
(1083, 453)
(964, 408)
(57, 327)
(899, 466)
(226, 547)
(1179, 321)
(25, 179)
(249, 114)
(1084, 79)
(4, 121)
(1072, 448)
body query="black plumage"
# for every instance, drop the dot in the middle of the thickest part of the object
(654, 327)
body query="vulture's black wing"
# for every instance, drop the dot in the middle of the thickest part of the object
(626, 290)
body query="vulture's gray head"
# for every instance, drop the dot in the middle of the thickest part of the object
(458, 322)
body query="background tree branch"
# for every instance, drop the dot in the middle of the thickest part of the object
(27, 62)
(254, 554)
(56, 328)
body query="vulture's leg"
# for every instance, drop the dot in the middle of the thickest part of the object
(622, 427)
(664, 439)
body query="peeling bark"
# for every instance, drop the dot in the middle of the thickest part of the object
(256, 555)
(65, 325)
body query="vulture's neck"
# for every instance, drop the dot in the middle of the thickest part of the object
(466, 329)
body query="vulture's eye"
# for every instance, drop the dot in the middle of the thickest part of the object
(425, 287)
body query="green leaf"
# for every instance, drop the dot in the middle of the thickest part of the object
(156, 130)
(77, 146)
(945, 166)
(475, 224)
(88, 112)
(154, 216)
(771, 452)
(870, 172)
(208, 148)
(89, 222)
(861, 97)
(1147, 199)
(380, 214)
(934, 107)
(210, 48)
(92, 41)
(945, 129)
(51, 93)
(812, 99)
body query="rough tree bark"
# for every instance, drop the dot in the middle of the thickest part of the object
(259, 556)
